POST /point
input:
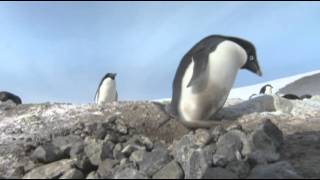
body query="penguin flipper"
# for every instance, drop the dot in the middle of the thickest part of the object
(200, 63)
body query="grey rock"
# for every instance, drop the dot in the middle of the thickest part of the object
(101, 131)
(154, 161)
(170, 171)
(279, 170)
(121, 127)
(240, 168)
(112, 137)
(82, 161)
(217, 132)
(230, 147)
(47, 154)
(50, 171)
(97, 151)
(137, 156)
(93, 175)
(117, 154)
(265, 143)
(107, 150)
(219, 173)
(202, 137)
(129, 173)
(282, 105)
(105, 169)
(129, 149)
(73, 174)
(65, 143)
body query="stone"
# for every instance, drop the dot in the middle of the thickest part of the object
(101, 131)
(219, 173)
(170, 171)
(217, 132)
(97, 151)
(82, 161)
(230, 147)
(137, 156)
(282, 105)
(107, 150)
(265, 142)
(279, 170)
(73, 174)
(129, 149)
(105, 169)
(202, 137)
(65, 143)
(50, 171)
(93, 175)
(47, 154)
(154, 161)
(117, 154)
(240, 168)
(129, 173)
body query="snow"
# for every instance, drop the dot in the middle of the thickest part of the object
(246, 91)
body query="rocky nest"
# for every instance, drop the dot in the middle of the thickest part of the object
(266, 137)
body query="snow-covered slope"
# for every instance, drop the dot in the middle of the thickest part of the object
(246, 91)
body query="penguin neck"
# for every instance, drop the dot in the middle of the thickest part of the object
(226, 61)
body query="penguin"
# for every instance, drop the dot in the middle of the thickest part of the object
(205, 77)
(5, 96)
(107, 91)
(291, 96)
(306, 96)
(267, 89)
(252, 96)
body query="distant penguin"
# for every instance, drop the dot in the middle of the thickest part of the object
(306, 96)
(5, 96)
(205, 76)
(252, 96)
(267, 89)
(291, 96)
(107, 91)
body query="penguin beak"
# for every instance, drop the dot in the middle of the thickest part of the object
(258, 72)
(253, 66)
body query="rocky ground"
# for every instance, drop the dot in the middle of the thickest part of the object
(266, 137)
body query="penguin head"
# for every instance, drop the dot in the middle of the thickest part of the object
(110, 75)
(252, 61)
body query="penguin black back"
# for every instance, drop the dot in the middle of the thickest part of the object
(291, 96)
(306, 96)
(5, 96)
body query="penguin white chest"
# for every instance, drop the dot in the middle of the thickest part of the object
(218, 79)
(268, 90)
(107, 92)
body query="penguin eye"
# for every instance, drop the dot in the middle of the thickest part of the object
(251, 58)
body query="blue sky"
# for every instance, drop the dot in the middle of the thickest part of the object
(59, 51)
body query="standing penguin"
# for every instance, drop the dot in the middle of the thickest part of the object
(6, 96)
(267, 89)
(205, 76)
(107, 91)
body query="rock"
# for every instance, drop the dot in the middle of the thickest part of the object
(101, 131)
(170, 171)
(107, 150)
(265, 143)
(154, 161)
(105, 169)
(146, 142)
(240, 168)
(282, 105)
(117, 154)
(279, 170)
(219, 173)
(202, 137)
(129, 149)
(112, 137)
(47, 154)
(50, 171)
(82, 161)
(217, 132)
(73, 174)
(129, 173)
(93, 175)
(65, 143)
(137, 156)
(31, 165)
(230, 147)
(121, 127)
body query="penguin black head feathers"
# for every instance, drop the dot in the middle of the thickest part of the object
(5, 96)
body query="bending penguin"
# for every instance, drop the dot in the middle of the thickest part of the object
(6, 96)
(205, 76)
(267, 89)
(107, 91)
